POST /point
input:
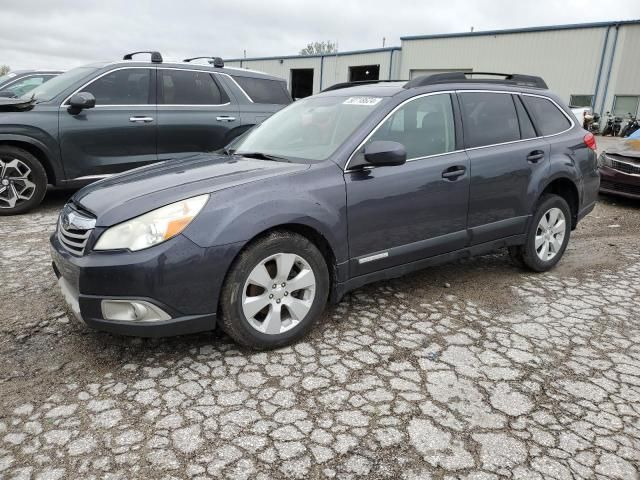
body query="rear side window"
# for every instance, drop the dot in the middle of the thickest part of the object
(526, 126)
(186, 87)
(262, 90)
(130, 86)
(488, 118)
(547, 116)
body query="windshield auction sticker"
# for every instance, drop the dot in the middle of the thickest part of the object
(367, 101)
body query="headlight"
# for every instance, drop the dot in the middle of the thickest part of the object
(152, 228)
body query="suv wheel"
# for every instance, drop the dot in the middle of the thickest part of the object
(547, 236)
(275, 291)
(23, 181)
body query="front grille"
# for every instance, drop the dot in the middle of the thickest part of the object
(74, 229)
(625, 167)
(620, 187)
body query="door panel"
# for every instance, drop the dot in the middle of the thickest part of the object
(505, 162)
(119, 133)
(407, 212)
(399, 214)
(195, 113)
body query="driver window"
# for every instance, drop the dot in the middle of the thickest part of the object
(424, 126)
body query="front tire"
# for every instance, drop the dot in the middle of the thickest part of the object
(275, 291)
(23, 181)
(547, 235)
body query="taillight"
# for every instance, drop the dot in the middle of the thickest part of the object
(590, 141)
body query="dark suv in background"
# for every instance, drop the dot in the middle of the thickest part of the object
(17, 83)
(354, 185)
(101, 119)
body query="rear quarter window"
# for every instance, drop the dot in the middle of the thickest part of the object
(262, 90)
(549, 119)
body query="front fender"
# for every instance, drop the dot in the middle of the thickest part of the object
(44, 140)
(314, 198)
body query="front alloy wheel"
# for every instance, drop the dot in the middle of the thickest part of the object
(278, 293)
(23, 180)
(275, 290)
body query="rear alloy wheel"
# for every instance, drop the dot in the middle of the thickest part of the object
(274, 292)
(23, 181)
(547, 236)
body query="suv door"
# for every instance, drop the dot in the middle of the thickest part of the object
(507, 156)
(400, 214)
(195, 113)
(119, 133)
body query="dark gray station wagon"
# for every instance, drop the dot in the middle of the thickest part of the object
(354, 185)
(101, 119)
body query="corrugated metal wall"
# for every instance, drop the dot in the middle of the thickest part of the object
(568, 60)
(333, 69)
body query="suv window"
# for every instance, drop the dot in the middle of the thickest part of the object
(262, 90)
(526, 126)
(424, 126)
(24, 85)
(188, 87)
(130, 86)
(548, 117)
(488, 118)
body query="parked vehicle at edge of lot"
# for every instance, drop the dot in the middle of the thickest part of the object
(631, 126)
(17, 83)
(106, 118)
(620, 168)
(353, 185)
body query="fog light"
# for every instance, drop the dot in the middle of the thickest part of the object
(132, 311)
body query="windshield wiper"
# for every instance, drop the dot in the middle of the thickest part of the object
(262, 156)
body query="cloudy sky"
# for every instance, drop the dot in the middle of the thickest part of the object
(66, 33)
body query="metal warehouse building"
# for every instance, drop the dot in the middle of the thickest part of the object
(590, 64)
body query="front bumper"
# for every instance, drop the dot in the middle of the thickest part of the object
(178, 276)
(616, 182)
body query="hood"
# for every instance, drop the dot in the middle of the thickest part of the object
(628, 148)
(138, 191)
(15, 104)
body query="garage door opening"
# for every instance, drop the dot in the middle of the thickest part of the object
(301, 82)
(364, 72)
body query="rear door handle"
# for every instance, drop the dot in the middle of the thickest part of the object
(452, 173)
(225, 118)
(535, 156)
(141, 119)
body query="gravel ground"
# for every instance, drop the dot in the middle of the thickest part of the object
(472, 370)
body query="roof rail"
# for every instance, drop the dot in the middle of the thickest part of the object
(449, 77)
(215, 61)
(355, 83)
(155, 56)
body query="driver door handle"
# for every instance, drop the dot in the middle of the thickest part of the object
(141, 119)
(225, 118)
(452, 173)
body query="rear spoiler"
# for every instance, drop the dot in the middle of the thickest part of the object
(16, 104)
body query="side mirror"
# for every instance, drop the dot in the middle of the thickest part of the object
(80, 101)
(384, 153)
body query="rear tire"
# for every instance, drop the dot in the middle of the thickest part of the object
(286, 275)
(23, 181)
(547, 237)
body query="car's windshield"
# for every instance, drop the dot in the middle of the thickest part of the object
(57, 85)
(311, 129)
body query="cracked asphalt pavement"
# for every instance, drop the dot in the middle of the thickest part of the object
(473, 370)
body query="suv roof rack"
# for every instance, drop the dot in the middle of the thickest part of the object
(355, 83)
(509, 79)
(215, 61)
(155, 56)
